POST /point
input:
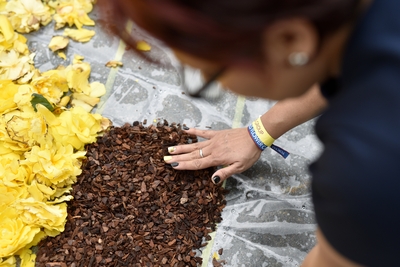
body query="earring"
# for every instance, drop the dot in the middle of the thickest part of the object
(298, 59)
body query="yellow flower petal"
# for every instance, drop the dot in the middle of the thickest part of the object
(78, 76)
(50, 118)
(7, 91)
(79, 103)
(92, 101)
(9, 194)
(20, 46)
(215, 256)
(9, 262)
(6, 28)
(143, 46)
(62, 55)
(98, 89)
(79, 35)
(114, 64)
(27, 257)
(23, 97)
(58, 43)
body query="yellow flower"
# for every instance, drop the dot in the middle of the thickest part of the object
(9, 194)
(28, 15)
(51, 84)
(74, 127)
(73, 12)
(14, 234)
(13, 66)
(85, 125)
(41, 151)
(54, 163)
(7, 144)
(13, 174)
(9, 149)
(27, 128)
(38, 214)
(10, 262)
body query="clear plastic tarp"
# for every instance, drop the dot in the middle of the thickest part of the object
(269, 219)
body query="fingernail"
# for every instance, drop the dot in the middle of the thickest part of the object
(184, 127)
(174, 164)
(171, 149)
(167, 158)
(216, 179)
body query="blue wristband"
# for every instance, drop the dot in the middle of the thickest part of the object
(262, 146)
(255, 138)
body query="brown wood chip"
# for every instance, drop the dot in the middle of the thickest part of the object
(130, 208)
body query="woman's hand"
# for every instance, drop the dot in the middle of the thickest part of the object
(233, 149)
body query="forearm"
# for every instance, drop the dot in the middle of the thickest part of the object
(289, 113)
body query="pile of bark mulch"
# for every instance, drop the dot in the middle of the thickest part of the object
(130, 208)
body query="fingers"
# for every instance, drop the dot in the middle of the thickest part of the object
(224, 173)
(232, 148)
(195, 160)
(191, 156)
(207, 134)
(196, 164)
(188, 152)
(183, 149)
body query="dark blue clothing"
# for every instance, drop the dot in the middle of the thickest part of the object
(356, 181)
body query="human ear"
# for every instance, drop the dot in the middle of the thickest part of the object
(290, 42)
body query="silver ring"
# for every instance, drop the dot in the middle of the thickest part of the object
(201, 153)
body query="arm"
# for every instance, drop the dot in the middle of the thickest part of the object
(234, 148)
(289, 113)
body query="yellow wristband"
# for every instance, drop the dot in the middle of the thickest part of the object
(262, 134)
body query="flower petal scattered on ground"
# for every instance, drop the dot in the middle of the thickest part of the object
(80, 35)
(58, 43)
(43, 129)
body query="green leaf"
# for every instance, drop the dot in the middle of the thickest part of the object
(39, 99)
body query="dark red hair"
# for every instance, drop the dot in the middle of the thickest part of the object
(222, 30)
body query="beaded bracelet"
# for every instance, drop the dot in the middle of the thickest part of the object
(262, 139)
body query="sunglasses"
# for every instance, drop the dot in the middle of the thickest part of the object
(199, 91)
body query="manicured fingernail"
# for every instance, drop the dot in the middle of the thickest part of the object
(171, 149)
(184, 127)
(216, 179)
(174, 164)
(167, 158)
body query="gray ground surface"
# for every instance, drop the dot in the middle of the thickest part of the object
(269, 217)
